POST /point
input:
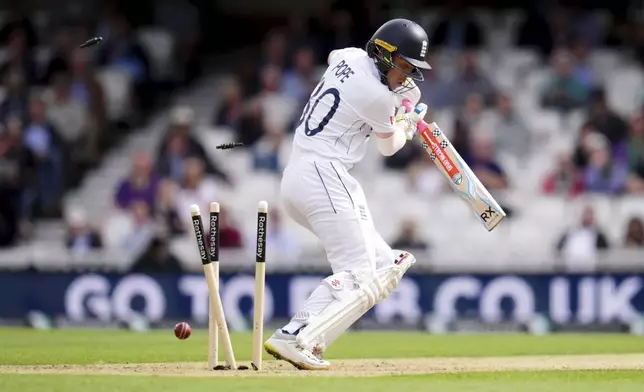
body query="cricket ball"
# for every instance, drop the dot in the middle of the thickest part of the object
(182, 330)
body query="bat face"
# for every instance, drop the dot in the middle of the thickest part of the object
(461, 178)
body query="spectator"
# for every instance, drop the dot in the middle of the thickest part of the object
(511, 134)
(471, 80)
(157, 259)
(16, 172)
(231, 110)
(299, 81)
(274, 52)
(586, 23)
(535, 31)
(277, 110)
(62, 50)
(341, 31)
(561, 26)
(120, 49)
(565, 180)
(180, 144)
(86, 89)
(634, 234)
(564, 92)
(166, 210)
(581, 155)
(16, 101)
(457, 29)
(19, 57)
(298, 33)
(583, 71)
(636, 38)
(484, 165)
(142, 184)
(409, 237)
(424, 178)
(461, 140)
(182, 21)
(635, 182)
(68, 116)
(435, 90)
(229, 234)
(474, 117)
(603, 173)
(608, 123)
(579, 246)
(40, 137)
(16, 20)
(141, 228)
(81, 237)
(195, 189)
(266, 152)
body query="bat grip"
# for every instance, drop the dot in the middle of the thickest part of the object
(422, 125)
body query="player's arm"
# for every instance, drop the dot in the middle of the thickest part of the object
(380, 114)
(392, 126)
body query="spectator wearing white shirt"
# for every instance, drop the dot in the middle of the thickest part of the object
(579, 246)
(195, 189)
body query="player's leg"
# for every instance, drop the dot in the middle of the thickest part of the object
(351, 242)
(350, 300)
(317, 193)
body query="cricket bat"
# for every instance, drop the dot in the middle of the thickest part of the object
(459, 175)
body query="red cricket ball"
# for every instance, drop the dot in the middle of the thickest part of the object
(182, 330)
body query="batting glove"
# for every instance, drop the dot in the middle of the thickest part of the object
(412, 119)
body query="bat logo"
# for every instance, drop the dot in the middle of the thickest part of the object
(488, 214)
(458, 179)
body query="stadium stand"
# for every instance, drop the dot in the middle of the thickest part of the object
(552, 123)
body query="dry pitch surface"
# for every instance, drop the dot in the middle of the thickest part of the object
(356, 368)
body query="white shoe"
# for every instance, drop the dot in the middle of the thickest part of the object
(284, 346)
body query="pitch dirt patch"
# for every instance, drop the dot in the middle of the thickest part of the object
(356, 367)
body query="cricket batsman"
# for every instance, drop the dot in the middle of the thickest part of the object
(358, 98)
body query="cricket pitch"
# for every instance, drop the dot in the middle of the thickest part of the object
(355, 367)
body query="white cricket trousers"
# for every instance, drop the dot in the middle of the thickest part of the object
(324, 198)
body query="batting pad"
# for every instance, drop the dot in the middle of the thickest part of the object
(354, 293)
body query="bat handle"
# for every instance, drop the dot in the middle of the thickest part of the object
(422, 125)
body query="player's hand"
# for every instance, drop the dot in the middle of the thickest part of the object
(412, 119)
(419, 113)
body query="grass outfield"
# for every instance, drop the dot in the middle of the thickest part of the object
(105, 360)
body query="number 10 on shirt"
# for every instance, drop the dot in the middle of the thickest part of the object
(308, 109)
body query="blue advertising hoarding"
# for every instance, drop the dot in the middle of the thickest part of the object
(581, 299)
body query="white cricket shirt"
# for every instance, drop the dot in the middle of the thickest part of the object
(348, 104)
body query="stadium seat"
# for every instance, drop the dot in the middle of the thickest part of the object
(624, 88)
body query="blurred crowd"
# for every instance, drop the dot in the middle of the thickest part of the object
(57, 116)
(263, 102)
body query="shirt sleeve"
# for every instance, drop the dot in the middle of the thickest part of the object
(331, 56)
(380, 113)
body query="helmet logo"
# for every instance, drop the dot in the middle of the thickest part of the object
(423, 49)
